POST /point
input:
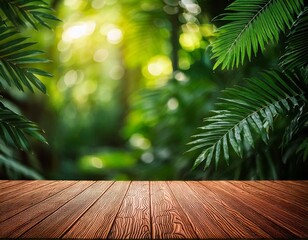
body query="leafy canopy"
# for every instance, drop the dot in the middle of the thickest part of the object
(245, 112)
(17, 68)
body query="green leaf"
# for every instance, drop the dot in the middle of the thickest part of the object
(253, 110)
(251, 25)
(247, 133)
(209, 157)
(296, 51)
(16, 60)
(226, 149)
(16, 128)
(11, 165)
(20, 12)
(217, 153)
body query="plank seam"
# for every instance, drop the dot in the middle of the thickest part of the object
(124, 195)
(20, 195)
(269, 218)
(181, 207)
(280, 190)
(72, 224)
(259, 198)
(56, 208)
(277, 196)
(37, 202)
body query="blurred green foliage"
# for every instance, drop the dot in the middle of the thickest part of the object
(132, 81)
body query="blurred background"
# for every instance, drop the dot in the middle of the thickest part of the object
(132, 81)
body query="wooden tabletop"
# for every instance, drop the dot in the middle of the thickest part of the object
(155, 209)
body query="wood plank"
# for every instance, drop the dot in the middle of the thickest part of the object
(285, 210)
(13, 186)
(295, 185)
(11, 183)
(232, 221)
(23, 221)
(56, 224)
(276, 214)
(204, 222)
(168, 219)
(157, 209)
(243, 207)
(287, 188)
(22, 189)
(278, 198)
(30, 197)
(133, 219)
(98, 220)
(280, 192)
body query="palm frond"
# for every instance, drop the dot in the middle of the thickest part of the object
(16, 170)
(296, 51)
(15, 128)
(244, 111)
(251, 25)
(21, 13)
(15, 57)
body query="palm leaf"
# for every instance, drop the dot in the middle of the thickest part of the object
(14, 169)
(251, 25)
(245, 111)
(15, 57)
(296, 51)
(21, 12)
(15, 128)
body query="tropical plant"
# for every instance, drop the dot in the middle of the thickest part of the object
(246, 113)
(18, 71)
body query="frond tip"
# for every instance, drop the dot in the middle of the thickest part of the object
(296, 51)
(251, 25)
(15, 128)
(15, 57)
(23, 13)
(245, 111)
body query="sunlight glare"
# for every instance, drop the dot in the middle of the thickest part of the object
(78, 30)
(96, 162)
(100, 55)
(70, 78)
(172, 104)
(114, 36)
(159, 65)
(147, 157)
(139, 141)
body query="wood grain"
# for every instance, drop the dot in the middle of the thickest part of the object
(6, 183)
(21, 189)
(282, 193)
(56, 224)
(97, 221)
(276, 214)
(15, 187)
(133, 219)
(284, 200)
(243, 207)
(286, 187)
(203, 221)
(168, 218)
(29, 197)
(236, 224)
(153, 210)
(20, 223)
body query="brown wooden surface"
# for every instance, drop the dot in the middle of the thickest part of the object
(153, 210)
